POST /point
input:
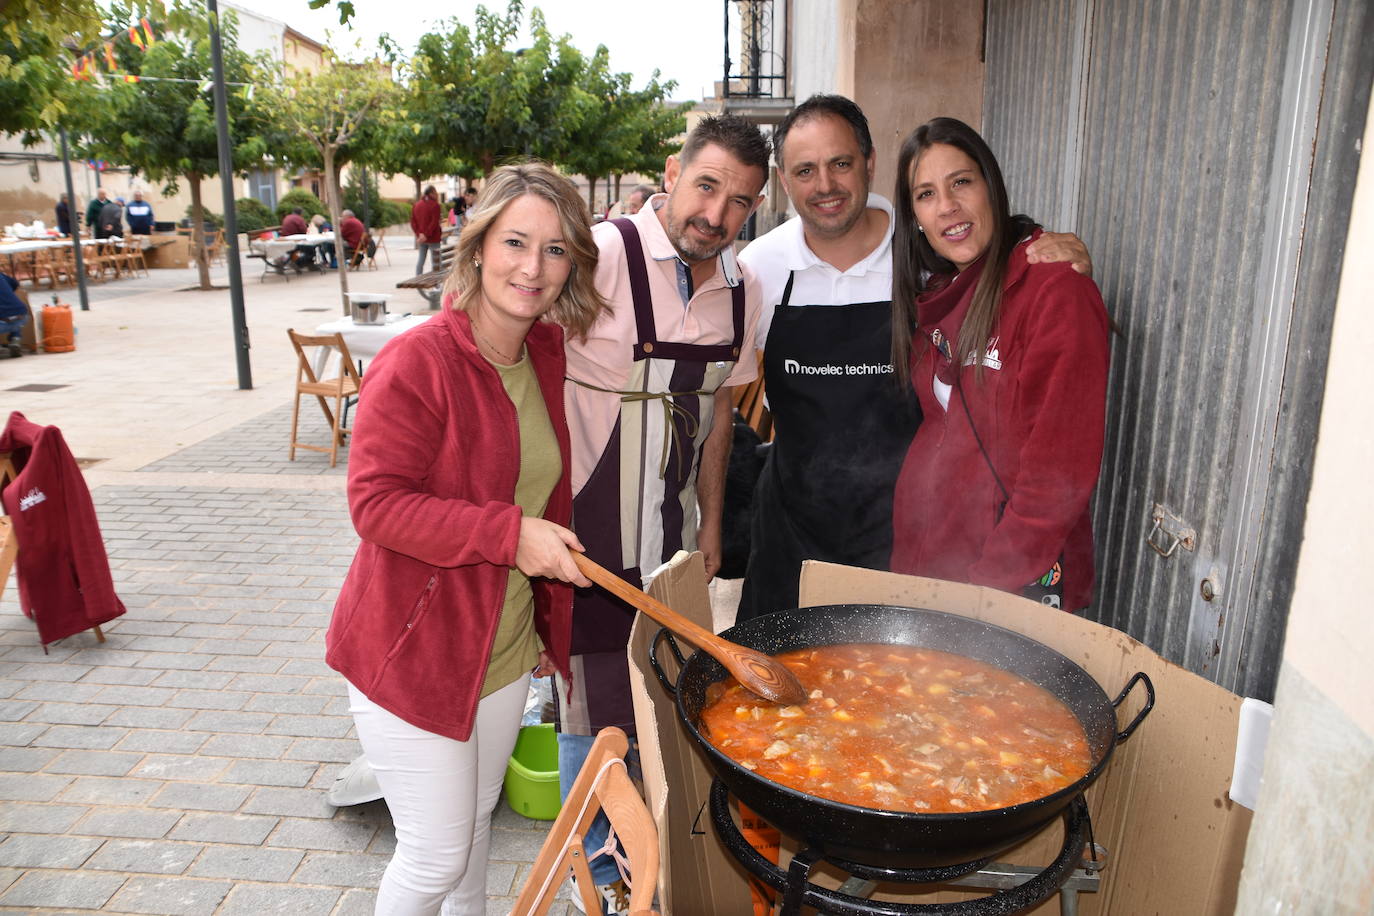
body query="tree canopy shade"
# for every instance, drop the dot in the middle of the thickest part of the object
(485, 102)
(165, 127)
(329, 110)
(622, 129)
(36, 41)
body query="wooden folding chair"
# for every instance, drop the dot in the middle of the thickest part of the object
(134, 258)
(602, 785)
(749, 401)
(214, 249)
(341, 387)
(360, 254)
(381, 248)
(9, 546)
(44, 266)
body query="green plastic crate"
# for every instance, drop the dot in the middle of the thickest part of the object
(532, 773)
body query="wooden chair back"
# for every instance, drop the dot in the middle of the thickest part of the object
(602, 785)
(9, 546)
(380, 240)
(339, 388)
(749, 401)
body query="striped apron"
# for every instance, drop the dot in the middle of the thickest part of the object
(639, 506)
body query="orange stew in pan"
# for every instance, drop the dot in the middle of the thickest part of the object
(903, 729)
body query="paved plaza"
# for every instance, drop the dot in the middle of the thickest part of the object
(181, 766)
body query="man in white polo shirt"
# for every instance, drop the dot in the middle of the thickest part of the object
(841, 423)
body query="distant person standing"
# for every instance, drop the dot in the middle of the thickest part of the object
(93, 210)
(140, 214)
(110, 222)
(424, 222)
(64, 216)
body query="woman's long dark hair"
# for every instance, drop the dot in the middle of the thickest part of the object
(914, 261)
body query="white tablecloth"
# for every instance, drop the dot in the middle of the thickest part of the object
(284, 245)
(364, 340)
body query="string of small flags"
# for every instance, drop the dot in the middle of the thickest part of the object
(87, 66)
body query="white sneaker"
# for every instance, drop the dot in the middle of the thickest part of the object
(615, 898)
(354, 785)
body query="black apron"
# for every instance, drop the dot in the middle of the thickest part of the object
(841, 426)
(638, 507)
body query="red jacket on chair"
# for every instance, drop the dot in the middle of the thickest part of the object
(63, 572)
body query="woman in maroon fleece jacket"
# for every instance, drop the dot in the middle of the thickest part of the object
(458, 484)
(1009, 360)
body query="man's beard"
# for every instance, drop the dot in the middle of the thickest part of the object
(691, 249)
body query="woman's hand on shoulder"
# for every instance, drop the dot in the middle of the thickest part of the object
(1053, 247)
(544, 551)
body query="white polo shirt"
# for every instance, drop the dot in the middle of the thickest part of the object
(771, 257)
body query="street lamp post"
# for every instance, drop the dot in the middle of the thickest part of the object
(231, 222)
(74, 224)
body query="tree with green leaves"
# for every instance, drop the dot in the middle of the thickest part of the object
(163, 126)
(39, 42)
(621, 127)
(328, 110)
(485, 102)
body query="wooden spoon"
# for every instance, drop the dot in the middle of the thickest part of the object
(758, 673)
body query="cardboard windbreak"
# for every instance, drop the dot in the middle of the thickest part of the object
(1174, 839)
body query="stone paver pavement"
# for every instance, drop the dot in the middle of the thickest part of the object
(181, 766)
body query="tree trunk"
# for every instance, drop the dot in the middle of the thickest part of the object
(198, 231)
(618, 176)
(331, 181)
(417, 189)
(591, 193)
(488, 163)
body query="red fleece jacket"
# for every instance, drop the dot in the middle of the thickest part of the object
(1040, 411)
(62, 567)
(431, 489)
(424, 220)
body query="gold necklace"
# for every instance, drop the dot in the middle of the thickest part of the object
(494, 348)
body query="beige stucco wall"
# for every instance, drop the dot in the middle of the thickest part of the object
(912, 60)
(22, 199)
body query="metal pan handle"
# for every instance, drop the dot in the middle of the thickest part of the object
(1138, 678)
(665, 633)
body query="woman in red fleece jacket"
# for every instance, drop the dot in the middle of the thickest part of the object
(458, 485)
(1009, 360)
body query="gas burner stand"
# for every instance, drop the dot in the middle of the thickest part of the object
(1017, 888)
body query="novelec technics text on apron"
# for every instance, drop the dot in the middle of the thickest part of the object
(842, 426)
(639, 507)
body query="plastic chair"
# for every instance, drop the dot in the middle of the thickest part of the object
(602, 785)
(341, 387)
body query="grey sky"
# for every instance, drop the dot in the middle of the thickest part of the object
(641, 35)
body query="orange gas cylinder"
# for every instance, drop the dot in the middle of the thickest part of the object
(58, 336)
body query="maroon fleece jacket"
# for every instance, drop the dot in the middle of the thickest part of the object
(431, 489)
(63, 571)
(1040, 412)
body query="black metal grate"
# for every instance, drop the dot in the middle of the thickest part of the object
(761, 70)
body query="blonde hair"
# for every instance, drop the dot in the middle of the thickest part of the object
(579, 304)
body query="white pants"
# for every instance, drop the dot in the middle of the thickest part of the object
(441, 794)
